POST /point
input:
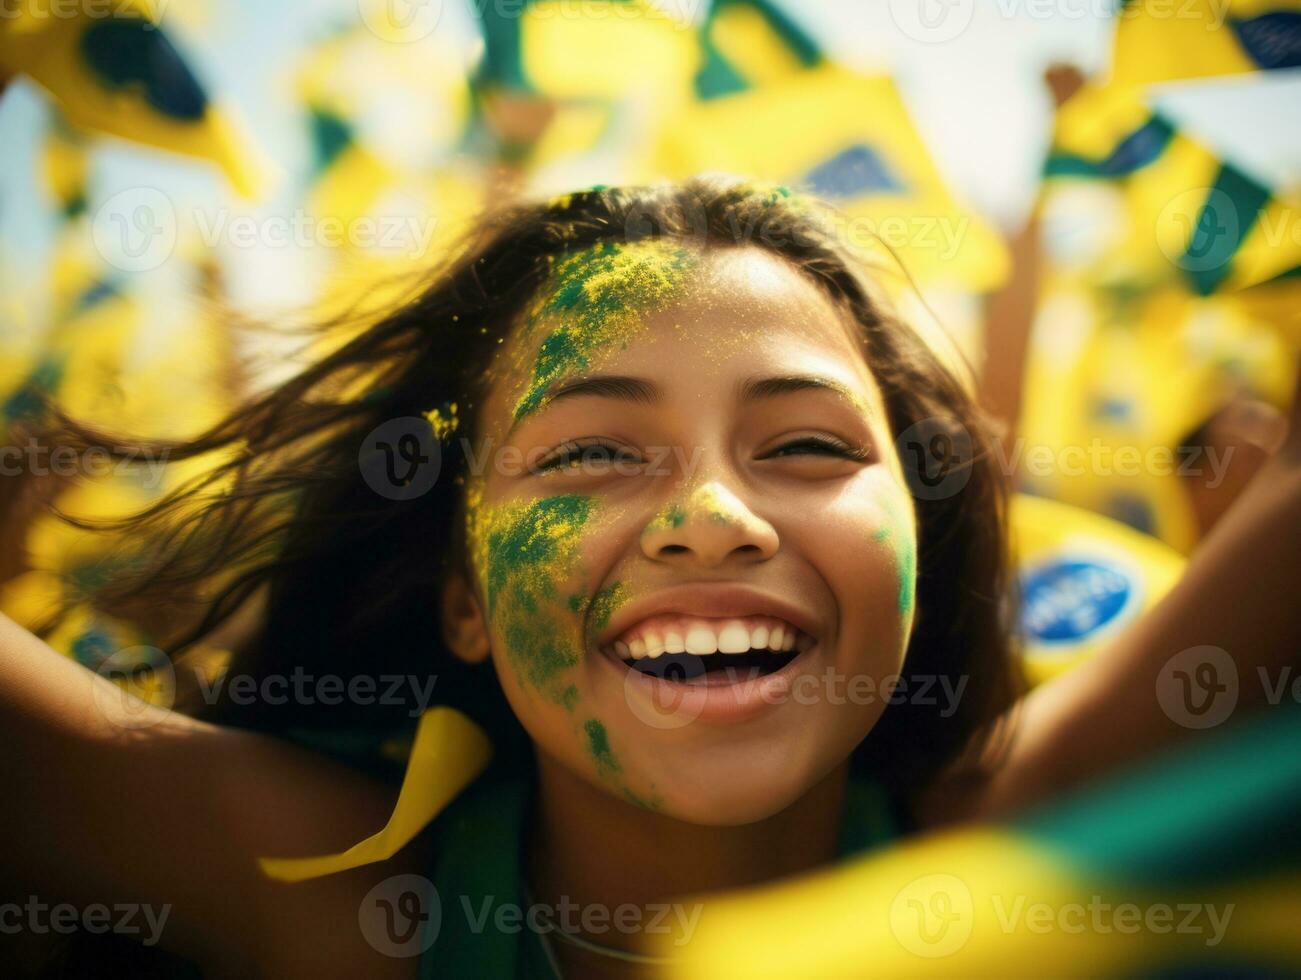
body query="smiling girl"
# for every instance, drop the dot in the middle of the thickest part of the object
(719, 628)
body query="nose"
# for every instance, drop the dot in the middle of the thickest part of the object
(710, 526)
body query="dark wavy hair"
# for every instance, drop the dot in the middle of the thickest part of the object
(347, 580)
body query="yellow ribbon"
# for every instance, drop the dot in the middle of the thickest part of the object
(448, 752)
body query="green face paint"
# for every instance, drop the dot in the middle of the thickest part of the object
(646, 803)
(705, 503)
(670, 517)
(521, 553)
(900, 534)
(605, 602)
(907, 574)
(599, 607)
(540, 650)
(598, 299)
(527, 545)
(608, 767)
(568, 698)
(598, 747)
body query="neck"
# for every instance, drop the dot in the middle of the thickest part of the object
(593, 849)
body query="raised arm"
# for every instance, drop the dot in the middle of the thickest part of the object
(1224, 642)
(110, 800)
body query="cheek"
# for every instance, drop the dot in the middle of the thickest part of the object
(528, 558)
(532, 560)
(869, 543)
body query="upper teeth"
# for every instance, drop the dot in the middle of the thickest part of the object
(698, 635)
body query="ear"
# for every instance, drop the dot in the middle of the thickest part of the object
(465, 631)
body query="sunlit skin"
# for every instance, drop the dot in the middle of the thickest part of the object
(629, 812)
(709, 488)
(701, 483)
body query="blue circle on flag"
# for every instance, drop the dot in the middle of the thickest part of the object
(1068, 600)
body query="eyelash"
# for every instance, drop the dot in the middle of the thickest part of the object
(826, 447)
(571, 453)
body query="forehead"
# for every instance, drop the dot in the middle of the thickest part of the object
(674, 312)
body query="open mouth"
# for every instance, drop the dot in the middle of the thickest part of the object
(700, 650)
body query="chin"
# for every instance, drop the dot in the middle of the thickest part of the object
(746, 806)
(734, 794)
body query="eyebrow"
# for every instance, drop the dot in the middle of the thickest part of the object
(618, 386)
(754, 389)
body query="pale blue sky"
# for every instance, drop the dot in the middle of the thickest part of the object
(975, 95)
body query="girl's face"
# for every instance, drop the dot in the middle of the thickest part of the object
(693, 547)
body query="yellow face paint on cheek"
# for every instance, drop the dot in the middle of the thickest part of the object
(527, 557)
(601, 606)
(524, 554)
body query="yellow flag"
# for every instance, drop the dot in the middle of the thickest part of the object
(846, 138)
(1174, 866)
(1189, 214)
(448, 752)
(121, 75)
(615, 48)
(749, 43)
(1083, 579)
(1170, 40)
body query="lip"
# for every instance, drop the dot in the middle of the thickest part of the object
(715, 601)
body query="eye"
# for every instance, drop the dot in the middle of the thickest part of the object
(819, 446)
(583, 452)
